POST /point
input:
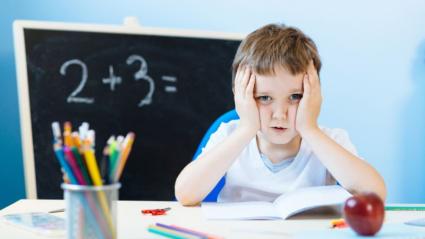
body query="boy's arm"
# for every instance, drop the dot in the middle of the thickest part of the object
(200, 176)
(353, 173)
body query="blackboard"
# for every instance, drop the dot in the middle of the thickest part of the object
(167, 89)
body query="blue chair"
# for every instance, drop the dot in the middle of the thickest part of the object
(226, 117)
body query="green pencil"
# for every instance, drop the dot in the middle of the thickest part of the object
(407, 207)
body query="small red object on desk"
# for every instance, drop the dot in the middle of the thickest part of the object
(156, 212)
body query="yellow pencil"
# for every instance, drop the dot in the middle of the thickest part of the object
(92, 166)
(97, 181)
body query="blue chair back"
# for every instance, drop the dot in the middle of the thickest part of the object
(226, 117)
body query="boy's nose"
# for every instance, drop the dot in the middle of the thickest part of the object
(280, 112)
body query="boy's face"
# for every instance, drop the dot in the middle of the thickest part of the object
(277, 98)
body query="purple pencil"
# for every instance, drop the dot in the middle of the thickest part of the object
(187, 231)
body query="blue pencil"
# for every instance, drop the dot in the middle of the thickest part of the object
(61, 158)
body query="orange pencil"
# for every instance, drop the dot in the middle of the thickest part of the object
(67, 128)
(338, 223)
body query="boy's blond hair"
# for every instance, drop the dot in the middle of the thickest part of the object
(276, 45)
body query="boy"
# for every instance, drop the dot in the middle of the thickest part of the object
(277, 145)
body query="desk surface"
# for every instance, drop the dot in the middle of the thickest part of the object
(132, 224)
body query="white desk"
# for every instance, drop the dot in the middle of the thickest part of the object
(132, 224)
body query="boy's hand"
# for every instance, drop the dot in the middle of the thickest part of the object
(245, 104)
(309, 107)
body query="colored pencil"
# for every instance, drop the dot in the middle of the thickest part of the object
(81, 164)
(92, 166)
(56, 133)
(64, 164)
(128, 144)
(412, 207)
(198, 234)
(104, 166)
(67, 128)
(73, 163)
(171, 233)
(97, 181)
(113, 157)
(209, 236)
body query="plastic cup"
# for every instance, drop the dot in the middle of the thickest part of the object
(91, 211)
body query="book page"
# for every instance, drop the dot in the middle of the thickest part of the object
(306, 198)
(39, 222)
(240, 210)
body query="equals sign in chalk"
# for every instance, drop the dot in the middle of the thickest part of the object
(168, 88)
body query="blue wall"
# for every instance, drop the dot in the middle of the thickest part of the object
(373, 70)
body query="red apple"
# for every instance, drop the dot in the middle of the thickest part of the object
(364, 213)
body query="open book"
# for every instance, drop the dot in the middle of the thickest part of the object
(284, 206)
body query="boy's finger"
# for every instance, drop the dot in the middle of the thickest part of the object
(306, 85)
(250, 87)
(314, 77)
(238, 79)
(311, 67)
(245, 78)
(238, 72)
(313, 80)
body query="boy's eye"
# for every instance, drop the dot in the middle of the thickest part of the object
(295, 97)
(264, 98)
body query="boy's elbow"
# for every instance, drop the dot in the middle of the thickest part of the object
(380, 188)
(186, 201)
(377, 187)
(383, 196)
(382, 191)
(183, 197)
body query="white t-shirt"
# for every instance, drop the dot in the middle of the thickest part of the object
(249, 179)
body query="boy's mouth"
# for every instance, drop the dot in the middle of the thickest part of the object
(279, 129)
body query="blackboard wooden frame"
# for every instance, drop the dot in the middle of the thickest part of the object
(22, 75)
